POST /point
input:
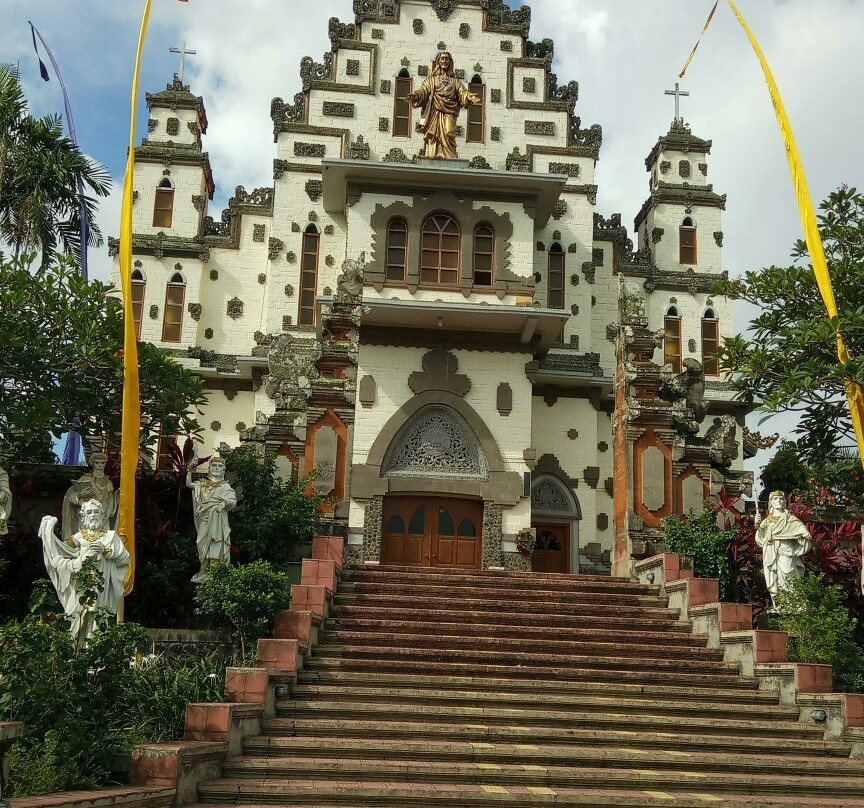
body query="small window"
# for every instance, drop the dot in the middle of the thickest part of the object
(175, 297)
(417, 525)
(710, 343)
(439, 256)
(484, 255)
(395, 525)
(397, 250)
(401, 106)
(555, 277)
(475, 133)
(445, 523)
(139, 287)
(163, 206)
(309, 276)
(466, 528)
(672, 339)
(687, 242)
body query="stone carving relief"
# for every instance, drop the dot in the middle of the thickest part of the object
(544, 128)
(172, 126)
(685, 391)
(234, 308)
(349, 285)
(310, 70)
(718, 238)
(338, 109)
(572, 170)
(529, 85)
(274, 247)
(314, 189)
(194, 311)
(495, 133)
(258, 232)
(359, 149)
(436, 443)
(339, 31)
(547, 496)
(309, 149)
(367, 391)
(439, 373)
(684, 169)
(518, 162)
(418, 27)
(352, 67)
(443, 8)
(495, 96)
(504, 399)
(154, 312)
(464, 30)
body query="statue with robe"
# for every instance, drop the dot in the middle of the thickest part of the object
(784, 540)
(93, 485)
(441, 96)
(64, 559)
(212, 498)
(5, 502)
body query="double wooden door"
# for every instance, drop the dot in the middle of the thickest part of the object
(423, 531)
(552, 549)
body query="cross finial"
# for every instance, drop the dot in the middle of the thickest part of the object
(677, 92)
(183, 54)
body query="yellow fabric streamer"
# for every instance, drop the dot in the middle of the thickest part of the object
(698, 41)
(131, 393)
(811, 229)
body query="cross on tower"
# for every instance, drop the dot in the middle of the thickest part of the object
(677, 92)
(183, 54)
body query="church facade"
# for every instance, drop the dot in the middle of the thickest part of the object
(480, 368)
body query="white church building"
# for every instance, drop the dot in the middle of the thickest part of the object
(467, 352)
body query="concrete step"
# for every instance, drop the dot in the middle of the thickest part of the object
(385, 571)
(521, 598)
(612, 644)
(789, 760)
(455, 579)
(109, 797)
(539, 701)
(590, 791)
(575, 773)
(485, 738)
(711, 663)
(681, 638)
(527, 718)
(324, 681)
(499, 669)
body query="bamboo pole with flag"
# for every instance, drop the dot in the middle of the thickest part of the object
(810, 224)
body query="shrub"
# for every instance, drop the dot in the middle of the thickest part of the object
(821, 629)
(709, 545)
(248, 597)
(83, 706)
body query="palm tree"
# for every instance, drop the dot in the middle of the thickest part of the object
(40, 207)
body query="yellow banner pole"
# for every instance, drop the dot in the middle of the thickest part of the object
(131, 424)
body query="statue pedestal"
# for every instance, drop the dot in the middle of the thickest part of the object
(442, 162)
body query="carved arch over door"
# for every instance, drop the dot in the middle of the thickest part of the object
(555, 515)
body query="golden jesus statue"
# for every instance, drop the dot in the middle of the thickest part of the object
(441, 96)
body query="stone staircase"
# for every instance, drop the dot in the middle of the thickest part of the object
(450, 688)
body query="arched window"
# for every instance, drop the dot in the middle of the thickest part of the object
(401, 107)
(476, 113)
(687, 242)
(309, 276)
(139, 287)
(439, 255)
(710, 343)
(672, 339)
(484, 255)
(397, 250)
(175, 297)
(163, 205)
(555, 277)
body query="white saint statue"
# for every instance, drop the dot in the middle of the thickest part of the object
(211, 500)
(784, 539)
(63, 559)
(95, 485)
(5, 502)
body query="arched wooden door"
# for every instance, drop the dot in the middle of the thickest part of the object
(420, 531)
(552, 550)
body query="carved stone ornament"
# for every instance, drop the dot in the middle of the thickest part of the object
(340, 31)
(396, 155)
(234, 309)
(309, 149)
(329, 260)
(314, 189)
(495, 96)
(291, 256)
(279, 168)
(377, 33)
(310, 70)
(214, 274)
(436, 443)
(258, 232)
(338, 109)
(195, 311)
(495, 133)
(541, 128)
(286, 322)
(464, 30)
(154, 312)
(208, 333)
(506, 45)
(440, 368)
(152, 124)
(518, 162)
(444, 8)
(547, 496)
(262, 278)
(274, 247)
(172, 126)
(684, 168)
(352, 67)
(289, 290)
(529, 85)
(559, 209)
(589, 271)
(703, 168)
(198, 202)
(665, 165)
(691, 345)
(657, 235)
(718, 238)
(418, 26)
(422, 70)
(572, 170)
(479, 162)
(359, 149)
(383, 124)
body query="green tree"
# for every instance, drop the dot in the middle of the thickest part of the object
(785, 472)
(62, 364)
(787, 360)
(274, 514)
(40, 207)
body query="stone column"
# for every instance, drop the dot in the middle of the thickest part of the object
(493, 535)
(372, 516)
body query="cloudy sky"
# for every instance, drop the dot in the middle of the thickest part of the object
(624, 53)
